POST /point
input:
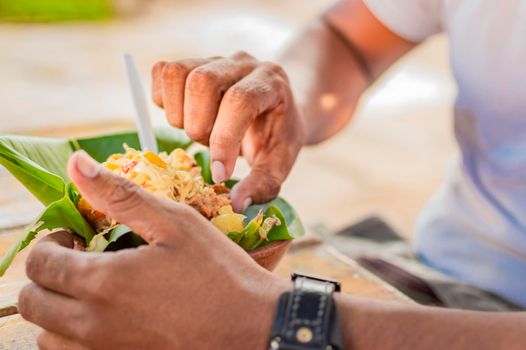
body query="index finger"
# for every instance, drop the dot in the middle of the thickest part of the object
(251, 97)
(54, 265)
(269, 170)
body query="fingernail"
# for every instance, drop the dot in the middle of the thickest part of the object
(218, 171)
(247, 204)
(87, 165)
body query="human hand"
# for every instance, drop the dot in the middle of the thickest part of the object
(189, 288)
(235, 105)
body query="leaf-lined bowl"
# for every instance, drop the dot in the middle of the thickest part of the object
(40, 165)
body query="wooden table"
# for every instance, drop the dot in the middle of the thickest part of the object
(307, 256)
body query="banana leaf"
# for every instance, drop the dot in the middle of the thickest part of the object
(203, 160)
(101, 147)
(40, 165)
(288, 215)
(61, 213)
(256, 234)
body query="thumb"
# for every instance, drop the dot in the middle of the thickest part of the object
(118, 197)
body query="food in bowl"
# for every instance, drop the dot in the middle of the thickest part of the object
(177, 176)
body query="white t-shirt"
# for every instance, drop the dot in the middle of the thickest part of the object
(474, 228)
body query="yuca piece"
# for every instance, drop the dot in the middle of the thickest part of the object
(175, 176)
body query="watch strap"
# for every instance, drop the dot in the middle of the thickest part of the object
(307, 317)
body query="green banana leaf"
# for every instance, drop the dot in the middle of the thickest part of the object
(62, 213)
(40, 165)
(290, 217)
(101, 147)
(203, 160)
(256, 235)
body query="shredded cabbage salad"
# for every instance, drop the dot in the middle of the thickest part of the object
(175, 176)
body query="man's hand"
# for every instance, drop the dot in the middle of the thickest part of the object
(235, 105)
(189, 288)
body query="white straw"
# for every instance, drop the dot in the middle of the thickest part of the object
(144, 125)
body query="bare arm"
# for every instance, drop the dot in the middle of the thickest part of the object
(379, 325)
(326, 77)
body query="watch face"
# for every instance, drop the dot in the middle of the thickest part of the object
(337, 285)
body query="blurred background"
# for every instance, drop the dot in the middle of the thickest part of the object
(61, 75)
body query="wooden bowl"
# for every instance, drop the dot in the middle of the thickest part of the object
(270, 255)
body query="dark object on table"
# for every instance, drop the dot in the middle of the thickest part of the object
(378, 248)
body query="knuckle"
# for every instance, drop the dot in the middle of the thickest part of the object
(275, 77)
(239, 97)
(225, 141)
(174, 71)
(242, 55)
(274, 69)
(201, 79)
(33, 263)
(158, 68)
(24, 301)
(39, 262)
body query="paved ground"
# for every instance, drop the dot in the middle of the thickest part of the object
(388, 162)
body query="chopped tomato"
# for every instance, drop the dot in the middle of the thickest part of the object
(98, 214)
(126, 168)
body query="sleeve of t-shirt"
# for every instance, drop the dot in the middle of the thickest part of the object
(413, 20)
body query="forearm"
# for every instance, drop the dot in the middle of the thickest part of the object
(330, 68)
(380, 325)
(326, 80)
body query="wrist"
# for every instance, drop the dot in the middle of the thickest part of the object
(304, 133)
(310, 132)
(258, 323)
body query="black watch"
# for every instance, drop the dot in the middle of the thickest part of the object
(307, 318)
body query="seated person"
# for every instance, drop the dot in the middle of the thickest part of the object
(191, 288)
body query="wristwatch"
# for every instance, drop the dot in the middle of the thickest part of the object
(307, 317)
